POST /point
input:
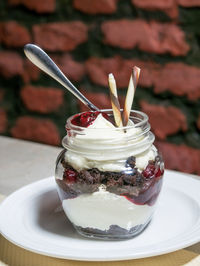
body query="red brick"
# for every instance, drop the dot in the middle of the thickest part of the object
(188, 3)
(13, 34)
(31, 72)
(96, 6)
(3, 121)
(72, 69)
(151, 37)
(41, 130)
(178, 78)
(99, 68)
(123, 33)
(11, 64)
(63, 36)
(165, 121)
(167, 6)
(42, 100)
(100, 99)
(180, 157)
(149, 70)
(47, 6)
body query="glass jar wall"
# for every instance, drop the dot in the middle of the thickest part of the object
(109, 178)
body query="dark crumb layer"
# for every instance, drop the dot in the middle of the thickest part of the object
(114, 231)
(138, 187)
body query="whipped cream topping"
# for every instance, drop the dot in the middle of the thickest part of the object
(102, 209)
(107, 148)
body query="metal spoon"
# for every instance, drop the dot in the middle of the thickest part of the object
(39, 58)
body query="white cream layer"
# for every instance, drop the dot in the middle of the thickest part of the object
(102, 209)
(109, 147)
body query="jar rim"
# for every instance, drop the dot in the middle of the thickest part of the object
(144, 120)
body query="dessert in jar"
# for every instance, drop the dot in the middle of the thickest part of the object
(109, 177)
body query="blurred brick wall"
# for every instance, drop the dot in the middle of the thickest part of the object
(90, 38)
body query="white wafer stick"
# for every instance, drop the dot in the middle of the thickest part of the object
(114, 100)
(136, 75)
(130, 94)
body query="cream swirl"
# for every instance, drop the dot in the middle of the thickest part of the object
(107, 148)
(116, 210)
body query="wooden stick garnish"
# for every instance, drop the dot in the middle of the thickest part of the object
(130, 94)
(114, 100)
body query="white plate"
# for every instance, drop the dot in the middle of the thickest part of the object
(30, 218)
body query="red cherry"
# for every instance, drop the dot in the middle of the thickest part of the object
(159, 173)
(105, 116)
(87, 118)
(149, 171)
(70, 176)
(75, 120)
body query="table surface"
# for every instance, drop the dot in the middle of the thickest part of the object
(23, 162)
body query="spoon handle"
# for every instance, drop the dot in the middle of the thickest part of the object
(39, 58)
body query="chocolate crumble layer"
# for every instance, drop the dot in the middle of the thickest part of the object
(139, 187)
(114, 231)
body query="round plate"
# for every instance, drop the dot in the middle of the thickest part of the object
(32, 219)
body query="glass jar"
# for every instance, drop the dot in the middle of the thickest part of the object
(109, 179)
